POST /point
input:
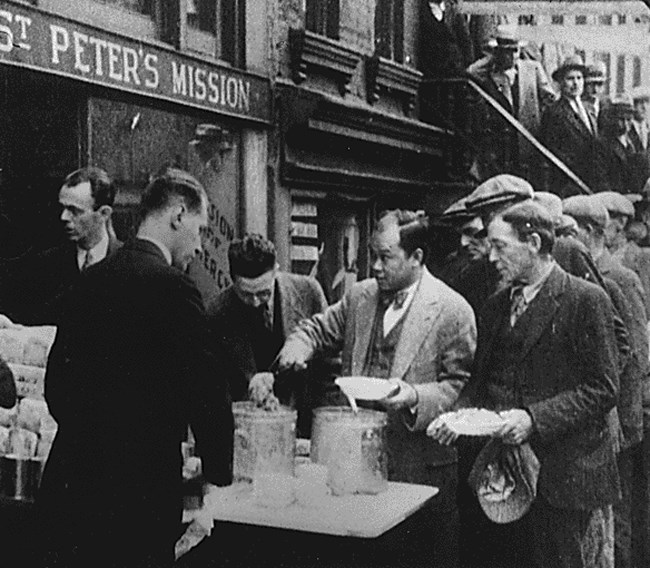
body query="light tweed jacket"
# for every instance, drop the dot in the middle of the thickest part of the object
(434, 354)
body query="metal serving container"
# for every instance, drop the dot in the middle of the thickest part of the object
(20, 477)
(353, 447)
(264, 441)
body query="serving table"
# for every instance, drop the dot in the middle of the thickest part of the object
(351, 530)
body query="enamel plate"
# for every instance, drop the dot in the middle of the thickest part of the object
(366, 388)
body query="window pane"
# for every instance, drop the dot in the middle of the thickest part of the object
(201, 15)
(636, 72)
(322, 17)
(620, 74)
(389, 29)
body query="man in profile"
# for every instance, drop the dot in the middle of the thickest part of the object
(130, 369)
(86, 201)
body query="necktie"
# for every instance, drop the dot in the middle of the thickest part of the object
(518, 304)
(397, 299)
(88, 261)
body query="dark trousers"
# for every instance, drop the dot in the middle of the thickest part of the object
(623, 521)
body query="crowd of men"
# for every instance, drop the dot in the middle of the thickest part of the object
(540, 315)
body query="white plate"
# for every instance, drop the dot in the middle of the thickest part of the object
(473, 421)
(366, 388)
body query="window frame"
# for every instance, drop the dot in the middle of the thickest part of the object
(389, 30)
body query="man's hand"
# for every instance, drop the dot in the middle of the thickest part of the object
(405, 397)
(439, 431)
(291, 357)
(517, 428)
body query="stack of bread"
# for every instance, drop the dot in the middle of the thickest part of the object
(25, 349)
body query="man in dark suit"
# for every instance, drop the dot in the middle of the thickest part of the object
(546, 360)
(444, 44)
(592, 218)
(40, 281)
(627, 167)
(253, 317)
(570, 131)
(129, 370)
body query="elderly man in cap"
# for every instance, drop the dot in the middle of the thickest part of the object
(627, 252)
(595, 77)
(570, 131)
(628, 296)
(627, 168)
(546, 360)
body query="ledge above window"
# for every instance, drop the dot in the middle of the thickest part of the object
(400, 80)
(311, 51)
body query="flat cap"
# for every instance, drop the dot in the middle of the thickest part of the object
(551, 202)
(503, 188)
(615, 203)
(457, 212)
(640, 94)
(586, 209)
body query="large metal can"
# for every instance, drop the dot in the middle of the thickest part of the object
(353, 447)
(264, 441)
(20, 477)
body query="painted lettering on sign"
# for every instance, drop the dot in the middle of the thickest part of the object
(35, 39)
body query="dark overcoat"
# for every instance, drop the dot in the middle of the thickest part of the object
(128, 372)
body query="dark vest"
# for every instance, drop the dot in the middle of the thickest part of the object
(381, 350)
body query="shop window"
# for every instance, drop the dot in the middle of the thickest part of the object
(557, 19)
(389, 29)
(636, 71)
(581, 20)
(620, 74)
(622, 19)
(146, 7)
(605, 20)
(215, 28)
(322, 17)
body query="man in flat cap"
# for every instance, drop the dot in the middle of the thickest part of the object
(628, 297)
(627, 252)
(546, 360)
(627, 168)
(468, 270)
(570, 131)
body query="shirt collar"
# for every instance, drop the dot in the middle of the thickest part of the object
(529, 291)
(97, 253)
(437, 10)
(161, 246)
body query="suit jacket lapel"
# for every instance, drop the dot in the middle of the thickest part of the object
(577, 122)
(364, 318)
(541, 311)
(421, 315)
(287, 297)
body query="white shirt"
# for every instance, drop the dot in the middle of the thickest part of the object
(438, 10)
(578, 107)
(162, 247)
(393, 315)
(97, 253)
